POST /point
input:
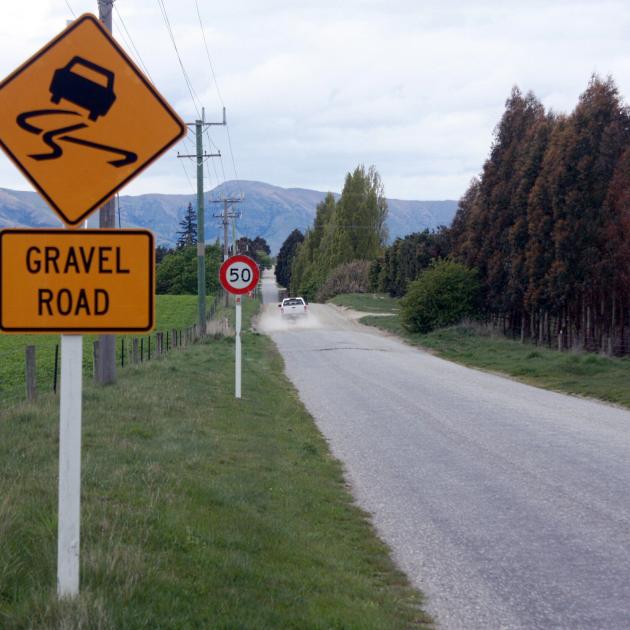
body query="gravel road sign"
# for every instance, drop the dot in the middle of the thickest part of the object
(76, 281)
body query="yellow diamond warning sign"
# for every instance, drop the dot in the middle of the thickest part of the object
(76, 281)
(80, 120)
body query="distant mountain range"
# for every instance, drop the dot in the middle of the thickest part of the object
(268, 211)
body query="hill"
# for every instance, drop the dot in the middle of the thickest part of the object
(268, 211)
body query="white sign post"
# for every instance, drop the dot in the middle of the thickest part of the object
(69, 465)
(237, 375)
(238, 275)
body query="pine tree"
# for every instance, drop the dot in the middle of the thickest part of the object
(498, 196)
(463, 231)
(527, 168)
(187, 236)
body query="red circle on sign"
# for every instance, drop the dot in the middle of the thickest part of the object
(239, 274)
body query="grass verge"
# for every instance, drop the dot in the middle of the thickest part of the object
(172, 311)
(198, 510)
(581, 373)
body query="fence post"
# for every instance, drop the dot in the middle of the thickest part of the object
(149, 350)
(174, 337)
(134, 350)
(55, 372)
(31, 384)
(167, 341)
(159, 342)
(122, 352)
(141, 349)
(95, 360)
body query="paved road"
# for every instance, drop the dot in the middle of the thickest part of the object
(509, 506)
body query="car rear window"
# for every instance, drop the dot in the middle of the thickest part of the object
(293, 302)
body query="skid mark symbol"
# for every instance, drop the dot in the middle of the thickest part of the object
(128, 157)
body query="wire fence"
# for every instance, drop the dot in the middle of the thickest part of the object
(26, 370)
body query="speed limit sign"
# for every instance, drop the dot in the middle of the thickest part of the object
(239, 275)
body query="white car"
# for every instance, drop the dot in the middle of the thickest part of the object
(293, 307)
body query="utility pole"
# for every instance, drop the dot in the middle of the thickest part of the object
(226, 216)
(106, 366)
(200, 156)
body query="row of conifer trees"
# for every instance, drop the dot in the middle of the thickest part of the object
(547, 225)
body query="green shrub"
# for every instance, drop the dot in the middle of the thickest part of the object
(443, 295)
(177, 271)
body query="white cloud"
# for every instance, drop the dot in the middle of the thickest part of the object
(314, 88)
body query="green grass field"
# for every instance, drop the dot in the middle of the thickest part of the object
(198, 510)
(592, 375)
(172, 311)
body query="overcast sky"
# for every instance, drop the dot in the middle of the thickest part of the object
(313, 88)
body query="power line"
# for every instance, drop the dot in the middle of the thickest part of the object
(131, 42)
(227, 130)
(214, 168)
(121, 33)
(216, 84)
(216, 175)
(223, 171)
(188, 177)
(205, 43)
(193, 96)
(74, 15)
(126, 35)
(221, 159)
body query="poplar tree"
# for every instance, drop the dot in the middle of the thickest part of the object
(309, 267)
(352, 228)
(285, 257)
(359, 230)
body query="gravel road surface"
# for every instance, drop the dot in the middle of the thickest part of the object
(508, 505)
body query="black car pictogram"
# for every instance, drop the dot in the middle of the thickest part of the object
(96, 97)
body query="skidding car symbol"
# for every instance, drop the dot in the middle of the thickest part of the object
(84, 92)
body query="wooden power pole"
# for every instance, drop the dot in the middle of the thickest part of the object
(200, 157)
(226, 216)
(106, 366)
